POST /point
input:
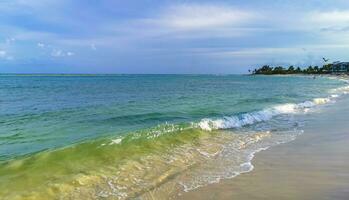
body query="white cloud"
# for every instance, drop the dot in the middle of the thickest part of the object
(3, 54)
(70, 53)
(330, 18)
(333, 24)
(326, 21)
(57, 53)
(61, 53)
(41, 45)
(9, 58)
(195, 16)
(10, 40)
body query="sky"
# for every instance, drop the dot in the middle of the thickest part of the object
(169, 36)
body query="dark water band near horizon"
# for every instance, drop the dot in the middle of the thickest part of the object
(118, 137)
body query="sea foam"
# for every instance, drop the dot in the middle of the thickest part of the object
(245, 119)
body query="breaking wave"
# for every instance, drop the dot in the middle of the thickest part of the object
(261, 116)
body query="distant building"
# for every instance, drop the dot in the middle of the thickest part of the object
(340, 67)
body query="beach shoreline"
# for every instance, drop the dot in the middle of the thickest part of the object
(314, 166)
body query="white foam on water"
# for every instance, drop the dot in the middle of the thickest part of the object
(319, 101)
(261, 116)
(236, 159)
(341, 90)
(206, 154)
(115, 141)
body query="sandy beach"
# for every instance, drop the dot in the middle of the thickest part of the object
(314, 166)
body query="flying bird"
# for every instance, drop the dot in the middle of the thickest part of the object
(325, 59)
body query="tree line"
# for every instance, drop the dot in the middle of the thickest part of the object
(268, 70)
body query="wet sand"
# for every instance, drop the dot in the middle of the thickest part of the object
(314, 166)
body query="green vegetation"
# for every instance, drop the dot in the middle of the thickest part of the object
(267, 70)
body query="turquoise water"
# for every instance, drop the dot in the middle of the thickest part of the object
(47, 119)
(39, 113)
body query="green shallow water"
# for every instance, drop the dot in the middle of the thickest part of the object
(60, 170)
(117, 137)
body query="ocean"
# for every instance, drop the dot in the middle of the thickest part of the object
(121, 136)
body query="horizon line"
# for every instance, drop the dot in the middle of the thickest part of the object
(111, 74)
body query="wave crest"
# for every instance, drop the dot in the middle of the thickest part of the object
(260, 116)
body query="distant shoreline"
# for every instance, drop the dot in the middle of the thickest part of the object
(311, 70)
(342, 76)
